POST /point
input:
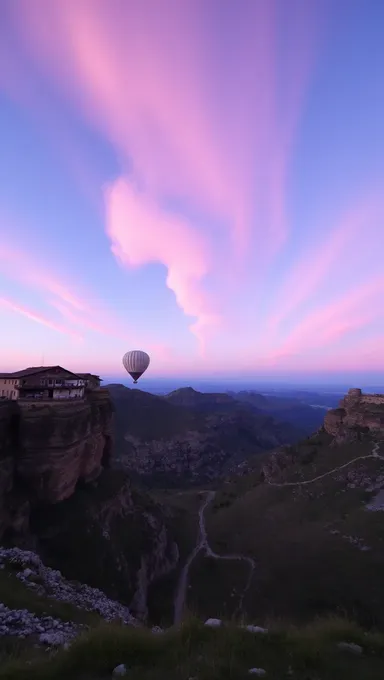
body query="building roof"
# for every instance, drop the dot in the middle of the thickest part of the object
(32, 370)
(89, 375)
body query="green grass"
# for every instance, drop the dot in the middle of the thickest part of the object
(210, 654)
(216, 586)
(303, 569)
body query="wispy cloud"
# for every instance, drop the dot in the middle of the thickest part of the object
(32, 272)
(38, 318)
(328, 323)
(337, 254)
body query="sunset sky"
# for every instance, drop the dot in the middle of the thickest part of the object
(200, 179)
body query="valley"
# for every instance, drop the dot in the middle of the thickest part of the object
(274, 538)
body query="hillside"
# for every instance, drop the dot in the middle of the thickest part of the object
(55, 629)
(305, 518)
(189, 437)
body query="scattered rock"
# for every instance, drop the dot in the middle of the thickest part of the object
(214, 623)
(22, 623)
(53, 585)
(255, 629)
(257, 671)
(350, 647)
(120, 671)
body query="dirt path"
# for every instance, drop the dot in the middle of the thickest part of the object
(374, 454)
(202, 544)
(202, 539)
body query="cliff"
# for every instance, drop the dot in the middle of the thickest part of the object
(358, 415)
(47, 449)
(59, 497)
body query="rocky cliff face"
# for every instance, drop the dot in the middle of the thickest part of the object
(63, 444)
(46, 450)
(359, 415)
(59, 497)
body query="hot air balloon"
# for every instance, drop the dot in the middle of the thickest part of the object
(136, 363)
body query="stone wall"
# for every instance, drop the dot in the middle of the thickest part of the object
(47, 448)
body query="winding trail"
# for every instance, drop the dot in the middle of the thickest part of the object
(203, 544)
(373, 454)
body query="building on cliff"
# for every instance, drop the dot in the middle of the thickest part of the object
(42, 382)
(92, 382)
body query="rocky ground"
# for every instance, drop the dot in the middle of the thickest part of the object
(49, 583)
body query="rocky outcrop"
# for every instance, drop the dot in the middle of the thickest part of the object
(359, 415)
(62, 444)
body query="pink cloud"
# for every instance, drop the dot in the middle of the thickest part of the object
(142, 234)
(32, 272)
(22, 267)
(339, 251)
(38, 318)
(151, 80)
(331, 322)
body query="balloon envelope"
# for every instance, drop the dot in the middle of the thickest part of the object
(136, 363)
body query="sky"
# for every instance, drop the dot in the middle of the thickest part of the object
(200, 179)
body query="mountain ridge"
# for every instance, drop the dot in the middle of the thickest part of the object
(190, 437)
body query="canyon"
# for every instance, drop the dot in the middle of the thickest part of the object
(73, 494)
(60, 497)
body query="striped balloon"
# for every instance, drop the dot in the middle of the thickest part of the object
(136, 363)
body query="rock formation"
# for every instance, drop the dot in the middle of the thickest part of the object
(358, 415)
(46, 450)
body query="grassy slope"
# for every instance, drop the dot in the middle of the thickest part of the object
(223, 586)
(183, 524)
(195, 651)
(304, 569)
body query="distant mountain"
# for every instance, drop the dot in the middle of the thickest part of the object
(202, 401)
(287, 409)
(190, 437)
